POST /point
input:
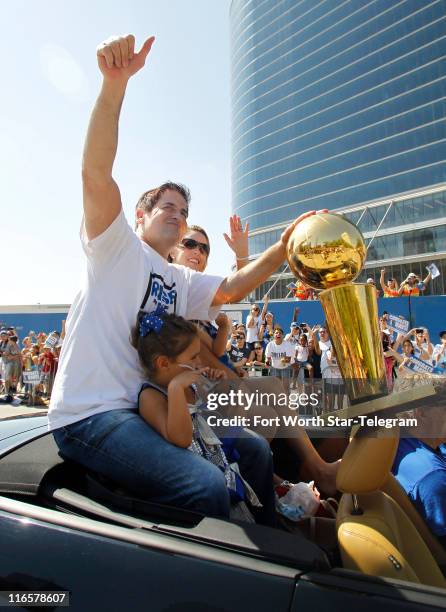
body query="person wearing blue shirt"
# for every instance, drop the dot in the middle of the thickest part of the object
(420, 468)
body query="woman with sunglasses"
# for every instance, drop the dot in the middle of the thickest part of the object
(193, 252)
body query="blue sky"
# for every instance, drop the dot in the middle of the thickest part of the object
(175, 124)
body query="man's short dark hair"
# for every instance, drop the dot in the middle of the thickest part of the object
(150, 198)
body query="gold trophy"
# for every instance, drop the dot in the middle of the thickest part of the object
(328, 252)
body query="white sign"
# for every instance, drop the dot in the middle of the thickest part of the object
(418, 365)
(398, 324)
(434, 271)
(32, 377)
(51, 341)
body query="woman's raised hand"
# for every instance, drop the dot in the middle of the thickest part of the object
(238, 237)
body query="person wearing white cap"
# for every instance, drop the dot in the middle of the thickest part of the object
(370, 281)
(413, 285)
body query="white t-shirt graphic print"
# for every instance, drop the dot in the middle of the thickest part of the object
(275, 352)
(99, 369)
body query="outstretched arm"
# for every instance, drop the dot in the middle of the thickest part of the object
(295, 314)
(242, 282)
(427, 279)
(102, 200)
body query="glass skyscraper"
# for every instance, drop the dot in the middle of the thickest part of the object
(341, 105)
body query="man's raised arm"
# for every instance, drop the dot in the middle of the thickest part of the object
(102, 200)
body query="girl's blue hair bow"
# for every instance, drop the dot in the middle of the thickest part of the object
(151, 322)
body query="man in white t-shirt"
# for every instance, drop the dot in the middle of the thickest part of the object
(280, 355)
(294, 334)
(93, 405)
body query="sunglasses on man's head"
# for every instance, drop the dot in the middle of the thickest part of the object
(190, 243)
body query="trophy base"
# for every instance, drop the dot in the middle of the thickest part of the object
(367, 399)
(384, 406)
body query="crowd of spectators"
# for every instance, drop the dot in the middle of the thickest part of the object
(411, 286)
(36, 353)
(304, 354)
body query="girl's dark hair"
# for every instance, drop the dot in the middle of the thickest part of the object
(175, 336)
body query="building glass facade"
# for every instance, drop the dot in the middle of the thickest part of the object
(340, 105)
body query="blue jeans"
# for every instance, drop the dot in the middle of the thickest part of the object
(121, 446)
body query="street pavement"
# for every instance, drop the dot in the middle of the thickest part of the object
(8, 411)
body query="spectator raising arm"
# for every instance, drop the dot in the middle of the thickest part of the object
(265, 301)
(382, 281)
(118, 62)
(427, 279)
(295, 314)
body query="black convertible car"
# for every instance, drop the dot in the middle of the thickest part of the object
(63, 530)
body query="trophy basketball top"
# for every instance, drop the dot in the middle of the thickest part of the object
(325, 250)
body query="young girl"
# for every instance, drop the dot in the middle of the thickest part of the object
(168, 348)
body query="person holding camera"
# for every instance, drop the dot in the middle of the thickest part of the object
(423, 349)
(238, 353)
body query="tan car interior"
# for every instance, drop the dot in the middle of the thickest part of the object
(379, 532)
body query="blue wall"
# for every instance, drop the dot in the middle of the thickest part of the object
(36, 321)
(428, 311)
